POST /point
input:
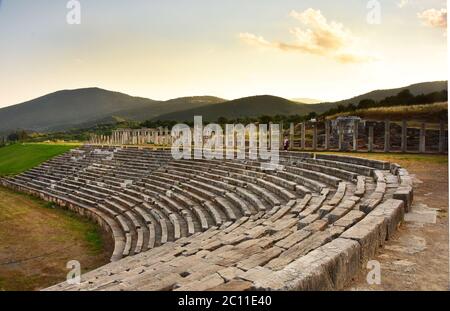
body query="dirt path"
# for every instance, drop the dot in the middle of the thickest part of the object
(417, 257)
(37, 241)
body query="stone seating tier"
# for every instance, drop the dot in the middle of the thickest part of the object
(225, 224)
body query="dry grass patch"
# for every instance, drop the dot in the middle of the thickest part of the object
(37, 240)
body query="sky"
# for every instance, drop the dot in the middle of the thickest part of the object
(163, 49)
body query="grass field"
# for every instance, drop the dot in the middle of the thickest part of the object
(37, 240)
(17, 158)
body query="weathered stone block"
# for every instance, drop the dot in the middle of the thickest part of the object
(392, 211)
(329, 267)
(370, 233)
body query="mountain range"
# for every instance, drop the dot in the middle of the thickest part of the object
(82, 108)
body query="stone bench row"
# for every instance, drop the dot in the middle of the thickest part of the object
(249, 270)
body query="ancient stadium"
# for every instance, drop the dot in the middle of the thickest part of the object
(225, 224)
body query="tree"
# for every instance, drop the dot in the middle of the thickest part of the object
(13, 137)
(222, 120)
(265, 119)
(366, 103)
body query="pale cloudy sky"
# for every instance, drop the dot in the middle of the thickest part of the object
(163, 49)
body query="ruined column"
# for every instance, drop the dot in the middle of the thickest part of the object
(303, 141)
(281, 136)
(441, 136)
(166, 136)
(269, 139)
(291, 136)
(355, 135)
(404, 136)
(327, 134)
(341, 136)
(370, 143)
(422, 142)
(387, 136)
(160, 132)
(315, 136)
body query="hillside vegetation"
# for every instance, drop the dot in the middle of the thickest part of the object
(86, 108)
(431, 112)
(414, 89)
(244, 107)
(68, 109)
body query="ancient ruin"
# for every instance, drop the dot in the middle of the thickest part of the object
(342, 134)
(228, 225)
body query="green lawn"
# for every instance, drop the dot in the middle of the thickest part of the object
(17, 158)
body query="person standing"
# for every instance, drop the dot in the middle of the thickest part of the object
(286, 144)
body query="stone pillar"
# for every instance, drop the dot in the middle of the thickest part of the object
(281, 136)
(269, 139)
(355, 134)
(341, 136)
(315, 136)
(441, 137)
(166, 136)
(404, 136)
(387, 136)
(370, 142)
(303, 141)
(160, 135)
(327, 134)
(291, 136)
(422, 141)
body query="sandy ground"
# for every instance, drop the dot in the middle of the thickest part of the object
(417, 257)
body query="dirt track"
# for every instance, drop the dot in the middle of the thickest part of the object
(417, 258)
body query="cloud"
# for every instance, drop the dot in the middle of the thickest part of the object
(434, 18)
(402, 3)
(318, 37)
(252, 39)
